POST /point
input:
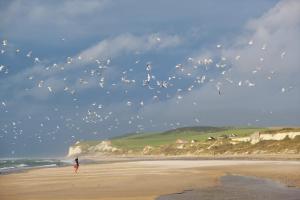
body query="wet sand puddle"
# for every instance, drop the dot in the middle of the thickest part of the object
(234, 187)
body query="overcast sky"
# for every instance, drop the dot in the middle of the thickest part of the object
(77, 70)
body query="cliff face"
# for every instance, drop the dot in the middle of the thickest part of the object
(104, 146)
(74, 151)
(257, 137)
(81, 148)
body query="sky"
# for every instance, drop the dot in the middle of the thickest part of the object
(82, 70)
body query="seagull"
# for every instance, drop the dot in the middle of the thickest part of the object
(147, 81)
(1, 67)
(207, 61)
(178, 66)
(282, 54)
(49, 88)
(190, 88)
(4, 42)
(69, 60)
(203, 79)
(83, 82)
(148, 67)
(124, 80)
(218, 85)
(162, 84)
(249, 83)
(101, 83)
(190, 59)
(29, 54)
(237, 57)
(36, 60)
(40, 84)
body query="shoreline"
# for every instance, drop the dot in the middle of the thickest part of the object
(138, 180)
(107, 159)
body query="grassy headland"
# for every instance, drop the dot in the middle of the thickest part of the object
(137, 142)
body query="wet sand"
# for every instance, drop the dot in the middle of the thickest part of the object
(239, 187)
(139, 180)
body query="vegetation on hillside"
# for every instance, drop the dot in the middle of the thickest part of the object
(198, 141)
(137, 142)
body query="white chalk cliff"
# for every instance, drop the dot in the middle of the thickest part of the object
(257, 137)
(102, 147)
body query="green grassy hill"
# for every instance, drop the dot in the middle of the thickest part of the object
(137, 142)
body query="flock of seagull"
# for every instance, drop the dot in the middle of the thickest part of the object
(146, 88)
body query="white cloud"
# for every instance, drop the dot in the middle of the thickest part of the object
(130, 43)
(279, 31)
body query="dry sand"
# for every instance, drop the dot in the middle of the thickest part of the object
(140, 180)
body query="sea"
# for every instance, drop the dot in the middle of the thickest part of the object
(9, 165)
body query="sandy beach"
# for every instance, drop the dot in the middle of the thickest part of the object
(140, 180)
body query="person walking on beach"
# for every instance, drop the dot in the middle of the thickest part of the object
(76, 165)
